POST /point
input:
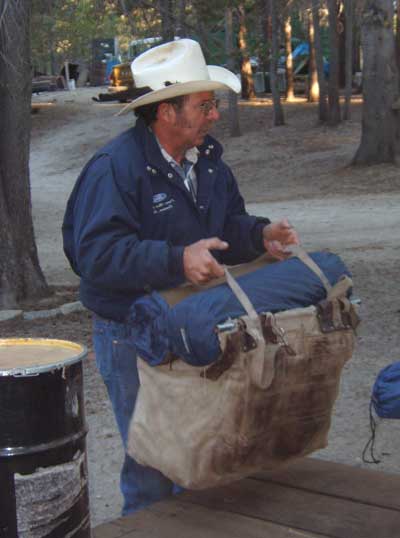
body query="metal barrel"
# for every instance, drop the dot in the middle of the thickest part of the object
(43, 463)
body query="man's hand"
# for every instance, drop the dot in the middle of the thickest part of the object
(278, 236)
(199, 264)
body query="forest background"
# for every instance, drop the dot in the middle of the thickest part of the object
(311, 146)
(350, 37)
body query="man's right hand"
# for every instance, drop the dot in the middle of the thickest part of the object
(199, 264)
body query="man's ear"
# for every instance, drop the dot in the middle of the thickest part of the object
(166, 113)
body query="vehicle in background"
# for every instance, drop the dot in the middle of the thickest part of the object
(121, 78)
(47, 83)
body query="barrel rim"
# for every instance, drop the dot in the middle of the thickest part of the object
(39, 369)
(11, 451)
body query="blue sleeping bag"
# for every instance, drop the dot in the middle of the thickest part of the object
(188, 328)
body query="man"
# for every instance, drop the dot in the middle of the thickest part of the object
(155, 207)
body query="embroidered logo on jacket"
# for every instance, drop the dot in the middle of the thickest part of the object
(161, 203)
(160, 197)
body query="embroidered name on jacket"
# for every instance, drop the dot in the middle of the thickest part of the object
(161, 203)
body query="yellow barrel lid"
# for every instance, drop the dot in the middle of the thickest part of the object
(29, 356)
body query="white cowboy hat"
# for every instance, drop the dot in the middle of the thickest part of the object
(177, 68)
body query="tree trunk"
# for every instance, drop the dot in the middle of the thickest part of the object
(341, 30)
(380, 85)
(167, 20)
(245, 69)
(265, 34)
(333, 85)
(20, 273)
(357, 47)
(398, 34)
(323, 92)
(313, 88)
(52, 37)
(181, 30)
(128, 14)
(234, 127)
(202, 32)
(199, 13)
(289, 60)
(349, 10)
(277, 106)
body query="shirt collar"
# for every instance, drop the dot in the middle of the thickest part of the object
(191, 154)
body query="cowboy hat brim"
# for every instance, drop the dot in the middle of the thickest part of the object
(220, 79)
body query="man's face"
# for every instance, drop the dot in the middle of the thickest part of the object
(195, 119)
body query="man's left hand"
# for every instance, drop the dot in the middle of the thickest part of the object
(278, 236)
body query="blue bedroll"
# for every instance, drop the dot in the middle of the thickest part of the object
(188, 328)
(386, 392)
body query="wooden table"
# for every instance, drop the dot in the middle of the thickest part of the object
(310, 499)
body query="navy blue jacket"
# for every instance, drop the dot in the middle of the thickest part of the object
(129, 218)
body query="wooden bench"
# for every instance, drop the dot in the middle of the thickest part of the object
(310, 499)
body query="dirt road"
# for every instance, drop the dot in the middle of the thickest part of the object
(299, 171)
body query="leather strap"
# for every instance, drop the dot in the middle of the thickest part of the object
(241, 296)
(300, 253)
(261, 371)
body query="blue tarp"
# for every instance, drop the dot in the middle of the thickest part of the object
(303, 49)
(188, 328)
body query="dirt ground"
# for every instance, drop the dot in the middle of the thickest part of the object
(300, 170)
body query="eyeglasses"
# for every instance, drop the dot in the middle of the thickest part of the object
(207, 106)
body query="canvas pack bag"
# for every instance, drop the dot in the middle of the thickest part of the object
(267, 400)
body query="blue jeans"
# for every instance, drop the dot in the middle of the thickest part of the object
(116, 361)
